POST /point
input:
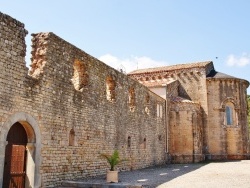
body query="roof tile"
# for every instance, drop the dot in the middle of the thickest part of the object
(172, 67)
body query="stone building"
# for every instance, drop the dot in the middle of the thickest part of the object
(206, 111)
(57, 117)
(56, 120)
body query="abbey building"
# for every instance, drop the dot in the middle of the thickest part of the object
(57, 117)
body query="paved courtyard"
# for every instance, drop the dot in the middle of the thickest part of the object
(204, 175)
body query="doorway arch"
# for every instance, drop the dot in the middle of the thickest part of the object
(33, 147)
(15, 157)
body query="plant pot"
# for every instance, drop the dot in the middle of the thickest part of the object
(112, 176)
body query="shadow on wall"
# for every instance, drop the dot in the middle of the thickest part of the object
(182, 93)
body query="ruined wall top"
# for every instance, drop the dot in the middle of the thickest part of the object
(6, 20)
(12, 47)
(58, 62)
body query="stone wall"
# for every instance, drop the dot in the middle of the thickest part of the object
(191, 79)
(82, 108)
(186, 81)
(172, 89)
(227, 141)
(185, 132)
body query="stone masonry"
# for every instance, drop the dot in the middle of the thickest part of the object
(206, 110)
(73, 108)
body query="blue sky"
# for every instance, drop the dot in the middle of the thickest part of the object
(146, 33)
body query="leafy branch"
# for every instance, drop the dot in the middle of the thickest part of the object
(113, 159)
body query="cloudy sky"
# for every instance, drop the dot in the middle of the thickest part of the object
(146, 33)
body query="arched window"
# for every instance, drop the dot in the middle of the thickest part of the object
(72, 137)
(229, 115)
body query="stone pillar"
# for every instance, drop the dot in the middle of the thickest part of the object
(30, 167)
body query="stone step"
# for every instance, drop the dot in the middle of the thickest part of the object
(72, 184)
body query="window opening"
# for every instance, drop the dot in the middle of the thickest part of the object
(147, 99)
(71, 137)
(144, 143)
(132, 99)
(110, 88)
(229, 115)
(159, 110)
(129, 141)
(80, 77)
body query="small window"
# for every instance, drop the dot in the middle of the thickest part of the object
(147, 111)
(72, 137)
(229, 115)
(144, 143)
(129, 142)
(147, 99)
(159, 110)
(159, 137)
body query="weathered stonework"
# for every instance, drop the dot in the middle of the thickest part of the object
(197, 100)
(185, 132)
(227, 141)
(74, 107)
(63, 105)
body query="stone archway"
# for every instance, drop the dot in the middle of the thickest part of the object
(33, 147)
(15, 157)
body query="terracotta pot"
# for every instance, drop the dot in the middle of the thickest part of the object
(112, 176)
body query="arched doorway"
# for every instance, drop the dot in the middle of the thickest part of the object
(33, 147)
(15, 157)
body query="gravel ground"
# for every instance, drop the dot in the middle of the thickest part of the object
(205, 175)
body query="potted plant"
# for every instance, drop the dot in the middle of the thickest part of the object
(113, 160)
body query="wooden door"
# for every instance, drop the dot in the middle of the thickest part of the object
(15, 158)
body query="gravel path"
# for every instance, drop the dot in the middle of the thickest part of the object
(205, 175)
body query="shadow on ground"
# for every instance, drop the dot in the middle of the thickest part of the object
(150, 177)
(155, 176)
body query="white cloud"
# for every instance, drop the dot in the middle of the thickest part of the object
(240, 61)
(131, 63)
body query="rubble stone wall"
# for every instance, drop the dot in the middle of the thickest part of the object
(82, 106)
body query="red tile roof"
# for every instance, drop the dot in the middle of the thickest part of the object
(172, 67)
